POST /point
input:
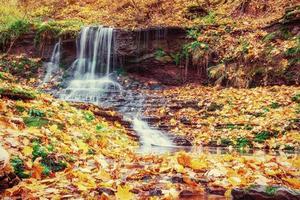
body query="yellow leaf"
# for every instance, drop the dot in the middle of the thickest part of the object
(27, 151)
(53, 128)
(228, 193)
(198, 164)
(173, 122)
(123, 193)
(82, 187)
(295, 182)
(104, 175)
(235, 181)
(83, 146)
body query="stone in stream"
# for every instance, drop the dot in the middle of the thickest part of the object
(215, 190)
(187, 194)
(181, 141)
(185, 121)
(146, 178)
(177, 179)
(259, 192)
(105, 190)
(155, 192)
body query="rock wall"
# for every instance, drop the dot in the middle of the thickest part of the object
(134, 51)
(132, 45)
(140, 45)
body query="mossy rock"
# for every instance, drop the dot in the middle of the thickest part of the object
(17, 94)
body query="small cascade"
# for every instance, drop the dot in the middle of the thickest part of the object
(92, 82)
(53, 65)
(92, 67)
(150, 137)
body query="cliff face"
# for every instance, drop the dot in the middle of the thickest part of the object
(134, 51)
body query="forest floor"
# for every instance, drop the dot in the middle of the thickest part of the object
(61, 151)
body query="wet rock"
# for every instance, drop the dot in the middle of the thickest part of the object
(8, 181)
(156, 87)
(175, 107)
(202, 181)
(215, 190)
(180, 141)
(177, 179)
(106, 191)
(146, 178)
(135, 191)
(214, 107)
(186, 194)
(151, 119)
(155, 192)
(265, 193)
(191, 104)
(185, 121)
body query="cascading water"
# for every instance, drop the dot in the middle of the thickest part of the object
(53, 65)
(92, 66)
(92, 83)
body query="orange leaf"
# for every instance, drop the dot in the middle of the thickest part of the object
(184, 159)
(37, 169)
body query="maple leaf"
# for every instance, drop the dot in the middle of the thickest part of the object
(37, 169)
(184, 159)
(27, 151)
(123, 193)
(198, 164)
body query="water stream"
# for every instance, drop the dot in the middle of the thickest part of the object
(53, 65)
(92, 81)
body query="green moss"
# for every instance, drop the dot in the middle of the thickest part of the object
(57, 28)
(275, 105)
(262, 136)
(35, 121)
(36, 113)
(242, 142)
(269, 37)
(48, 163)
(210, 19)
(17, 93)
(39, 151)
(226, 142)
(248, 127)
(18, 165)
(91, 152)
(20, 109)
(271, 191)
(159, 53)
(13, 30)
(99, 127)
(289, 148)
(89, 116)
(295, 50)
(296, 98)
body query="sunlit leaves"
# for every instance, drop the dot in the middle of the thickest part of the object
(123, 193)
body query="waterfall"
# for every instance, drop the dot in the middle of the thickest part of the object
(92, 66)
(53, 65)
(94, 53)
(91, 82)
